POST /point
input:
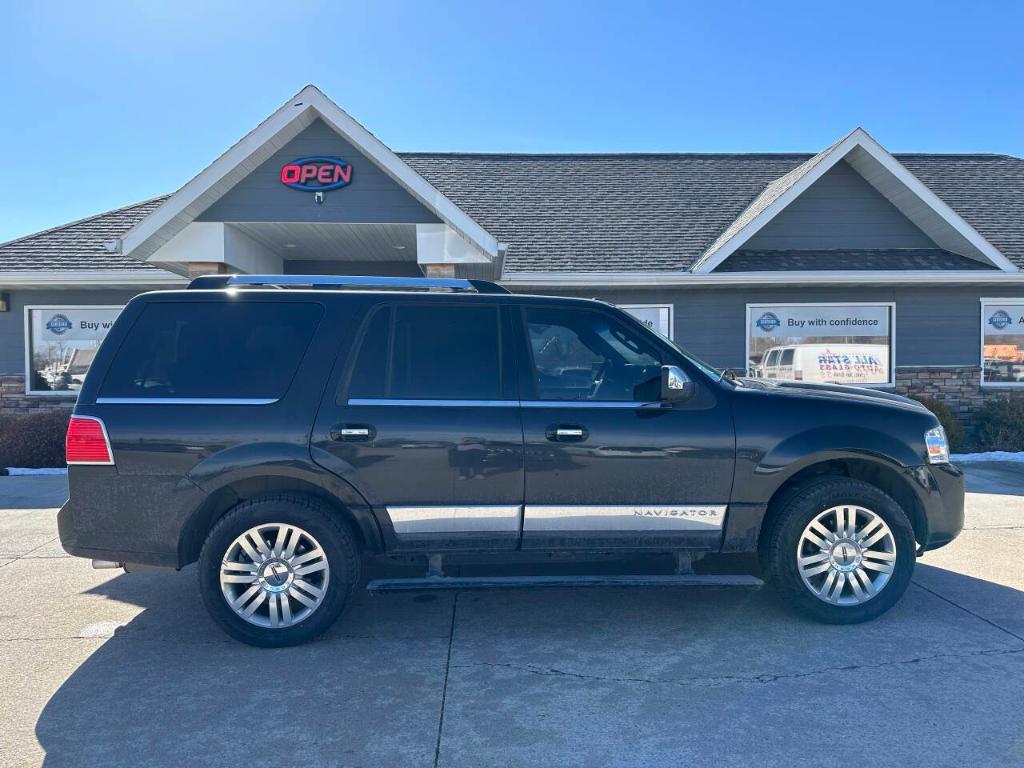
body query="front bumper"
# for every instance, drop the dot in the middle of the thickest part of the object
(940, 487)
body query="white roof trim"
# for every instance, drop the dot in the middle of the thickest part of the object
(979, 247)
(753, 279)
(183, 206)
(90, 279)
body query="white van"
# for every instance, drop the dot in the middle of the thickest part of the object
(827, 363)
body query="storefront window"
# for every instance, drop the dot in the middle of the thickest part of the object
(657, 317)
(60, 344)
(821, 343)
(1002, 342)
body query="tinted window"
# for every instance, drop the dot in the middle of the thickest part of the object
(787, 357)
(369, 373)
(438, 352)
(445, 352)
(212, 349)
(773, 357)
(581, 355)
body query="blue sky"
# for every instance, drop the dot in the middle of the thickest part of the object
(106, 104)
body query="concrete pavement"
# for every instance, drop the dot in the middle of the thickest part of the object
(102, 668)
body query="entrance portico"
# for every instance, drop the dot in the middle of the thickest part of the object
(310, 187)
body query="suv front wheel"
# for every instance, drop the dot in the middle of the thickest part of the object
(277, 570)
(840, 550)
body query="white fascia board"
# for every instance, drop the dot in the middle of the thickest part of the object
(441, 244)
(127, 278)
(402, 173)
(878, 153)
(212, 175)
(857, 138)
(755, 279)
(310, 102)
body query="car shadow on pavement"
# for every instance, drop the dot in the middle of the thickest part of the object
(169, 689)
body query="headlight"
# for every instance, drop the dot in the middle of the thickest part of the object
(938, 449)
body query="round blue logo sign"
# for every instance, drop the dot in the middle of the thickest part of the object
(1000, 320)
(58, 324)
(768, 322)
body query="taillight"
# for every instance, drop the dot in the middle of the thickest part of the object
(798, 375)
(87, 442)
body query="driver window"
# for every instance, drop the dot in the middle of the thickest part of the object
(581, 355)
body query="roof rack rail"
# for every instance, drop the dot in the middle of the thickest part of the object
(345, 281)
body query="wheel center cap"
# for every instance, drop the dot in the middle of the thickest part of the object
(845, 555)
(275, 575)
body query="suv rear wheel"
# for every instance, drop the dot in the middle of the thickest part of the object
(840, 550)
(278, 570)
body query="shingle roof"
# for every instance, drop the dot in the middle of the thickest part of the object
(81, 245)
(849, 260)
(593, 213)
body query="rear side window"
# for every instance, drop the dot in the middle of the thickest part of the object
(429, 352)
(212, 350)
(787, 357)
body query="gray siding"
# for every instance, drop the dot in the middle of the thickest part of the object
(12, 324)
(840, 210)
(371, 197)
(935, 326)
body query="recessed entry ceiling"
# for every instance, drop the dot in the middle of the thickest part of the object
(300, 241)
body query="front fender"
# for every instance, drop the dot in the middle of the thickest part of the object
(818, 444)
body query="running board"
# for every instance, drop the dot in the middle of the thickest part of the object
(434, 583)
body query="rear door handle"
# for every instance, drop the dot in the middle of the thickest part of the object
(566, 433)
(352, 433)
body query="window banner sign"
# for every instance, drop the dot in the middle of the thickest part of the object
(802, 322)
(61, 344)
(1002, 333)
(657, 317)
(820, 343)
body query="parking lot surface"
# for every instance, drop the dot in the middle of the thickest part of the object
(111, 669)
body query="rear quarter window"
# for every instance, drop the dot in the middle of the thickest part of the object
(242, 349)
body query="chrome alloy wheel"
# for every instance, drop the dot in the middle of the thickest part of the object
(846, 555)
(274, 575)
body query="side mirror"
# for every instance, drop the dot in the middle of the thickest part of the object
(676, 386)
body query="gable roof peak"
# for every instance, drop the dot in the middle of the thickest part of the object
(886, 174)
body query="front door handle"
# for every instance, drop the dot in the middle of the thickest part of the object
(352, 433)
(566, 433)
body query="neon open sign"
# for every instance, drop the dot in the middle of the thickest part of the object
(316, 174)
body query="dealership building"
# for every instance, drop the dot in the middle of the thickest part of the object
(855, 265)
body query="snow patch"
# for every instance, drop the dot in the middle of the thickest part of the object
(37, 470)
(966, 458)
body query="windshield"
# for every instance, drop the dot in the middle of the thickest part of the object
(709, 370)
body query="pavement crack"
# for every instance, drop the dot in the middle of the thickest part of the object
(713, 680)
(444, 688)
(968, 611)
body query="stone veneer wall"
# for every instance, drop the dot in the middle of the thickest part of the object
(14, 401)
(959, 388)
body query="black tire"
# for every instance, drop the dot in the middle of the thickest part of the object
(307, 513)
(796, 509)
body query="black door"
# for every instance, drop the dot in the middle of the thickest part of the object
(426, 424)
(606, 466)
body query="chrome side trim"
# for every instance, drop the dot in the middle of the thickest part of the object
(452, 520)
(645, 517)
(186, 400)
(436, 403)
(494, 403)
(582, 404)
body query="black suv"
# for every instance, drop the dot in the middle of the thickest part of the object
(281, 436)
